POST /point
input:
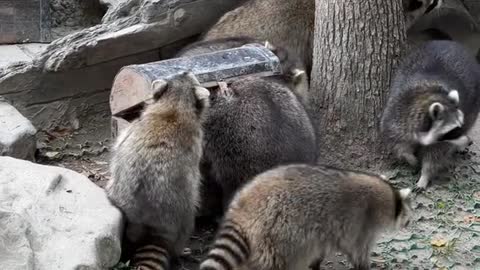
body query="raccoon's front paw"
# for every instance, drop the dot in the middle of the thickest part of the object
(223, 89)
(461, 142)
(418, 190)
(421, 184)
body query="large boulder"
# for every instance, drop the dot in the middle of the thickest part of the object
(54, 218)
(17, 134)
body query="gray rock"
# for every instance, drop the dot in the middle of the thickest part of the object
(10, 54)
(54, 218)
(17, 134)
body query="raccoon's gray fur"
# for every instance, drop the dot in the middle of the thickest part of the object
(415, 9)
(155, 171)
(294, 74)
(434, 101)
(293, 216)
(256, 124)
(288, 24)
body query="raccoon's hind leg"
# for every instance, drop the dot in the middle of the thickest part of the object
(406, 152)
(184, 233)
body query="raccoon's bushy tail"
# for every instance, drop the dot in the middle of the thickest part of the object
(230, 249)
(151, 257)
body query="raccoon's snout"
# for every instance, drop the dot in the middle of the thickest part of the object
(439, 128)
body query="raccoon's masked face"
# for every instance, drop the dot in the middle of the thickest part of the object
(442, 118)
(403, 219)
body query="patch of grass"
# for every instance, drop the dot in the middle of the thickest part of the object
(446, 251)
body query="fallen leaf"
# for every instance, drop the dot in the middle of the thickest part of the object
(439, 242)
(469, 219)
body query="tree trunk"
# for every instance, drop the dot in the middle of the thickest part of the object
(356, 49)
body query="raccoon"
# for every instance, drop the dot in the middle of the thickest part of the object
(434, 101)
(155, 171)
(288, 24)
(294, 74)
(252, 126)
(292, 216)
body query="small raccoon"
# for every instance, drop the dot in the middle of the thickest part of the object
(254, 125)
(155, 171)
(434, 101)
(288, 24)
(294, 74)
(292, 216)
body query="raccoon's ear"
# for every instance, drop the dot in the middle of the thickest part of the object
(192, 78)
(158, 88)
(405, 193)
(453, 95)
(435, 110)
(201, 92)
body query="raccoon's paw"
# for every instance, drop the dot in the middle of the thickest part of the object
(223, 89)
(421, 184)
(461, 143)
(418, 190)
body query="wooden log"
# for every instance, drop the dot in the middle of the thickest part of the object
(24, 21)
(132, 85)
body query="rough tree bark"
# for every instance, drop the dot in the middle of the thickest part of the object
(357, 46)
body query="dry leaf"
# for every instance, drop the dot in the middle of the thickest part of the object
(439, 242)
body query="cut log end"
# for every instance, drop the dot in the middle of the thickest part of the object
(130, 88)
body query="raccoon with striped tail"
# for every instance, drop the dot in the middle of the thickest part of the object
(155, 171)
(292, 216)
(434, 101)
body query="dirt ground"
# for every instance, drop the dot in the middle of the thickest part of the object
(445, 233)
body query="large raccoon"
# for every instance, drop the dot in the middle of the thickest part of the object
(255, 125)
(434, 101)
(155, 171)
(292, 216)
(288, 24)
